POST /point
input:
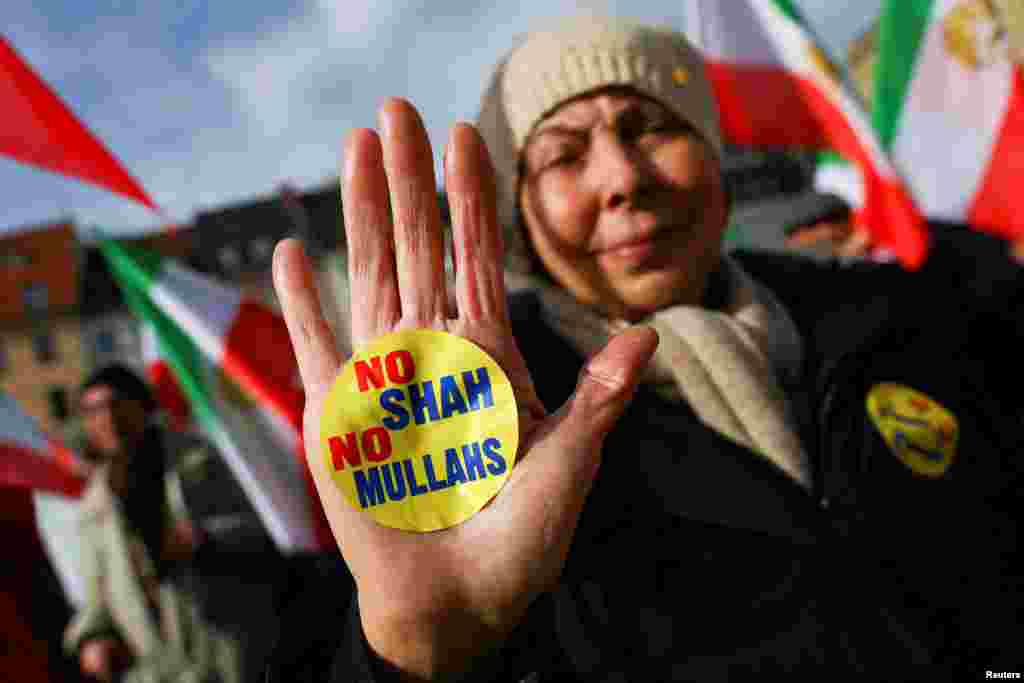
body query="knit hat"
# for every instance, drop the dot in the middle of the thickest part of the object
(577, 56)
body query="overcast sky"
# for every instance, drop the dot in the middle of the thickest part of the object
(209, 103)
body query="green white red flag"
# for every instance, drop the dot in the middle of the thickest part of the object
(233, 360)
(775, 87)
(949, 105)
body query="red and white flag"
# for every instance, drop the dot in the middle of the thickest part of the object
(29, 459)
(41, 467)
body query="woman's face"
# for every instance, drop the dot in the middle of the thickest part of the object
(623, 203)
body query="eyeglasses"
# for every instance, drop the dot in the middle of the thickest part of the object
(98, 406)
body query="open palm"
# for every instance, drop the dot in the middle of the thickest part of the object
(430, 602)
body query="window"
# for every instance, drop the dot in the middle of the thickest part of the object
(15, 259)
(229, 257)
(58, 399)
(36, 297)
(125, 339)
(45, 347)
(260, 250)
(104, 343)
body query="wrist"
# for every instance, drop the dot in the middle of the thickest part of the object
(440, 646)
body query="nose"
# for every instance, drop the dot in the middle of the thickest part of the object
(620, 172)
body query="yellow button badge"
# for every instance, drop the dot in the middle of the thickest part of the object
(919, 431)
(420, 430)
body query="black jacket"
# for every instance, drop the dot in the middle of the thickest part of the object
(695, 559)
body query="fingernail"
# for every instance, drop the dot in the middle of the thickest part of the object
(451, 161)
(350, 155)
(275, 264)
(387, 116)
(348, 160)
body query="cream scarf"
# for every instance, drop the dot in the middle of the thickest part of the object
(729, 365)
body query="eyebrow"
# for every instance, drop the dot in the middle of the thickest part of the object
(558, 129)
(630, 110)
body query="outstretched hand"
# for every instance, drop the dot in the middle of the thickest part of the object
(431, 602)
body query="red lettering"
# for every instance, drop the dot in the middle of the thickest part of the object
(400, 366)
(343, 451)
(367, 374)
(377, 444)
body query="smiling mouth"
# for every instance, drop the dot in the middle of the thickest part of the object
(640, 250)
(633, 242)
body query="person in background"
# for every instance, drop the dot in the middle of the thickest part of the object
(138, 624)
(729, 467)
(823, 228)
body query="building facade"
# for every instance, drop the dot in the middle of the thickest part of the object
(41, 355)
(236, 244)
(109, 332)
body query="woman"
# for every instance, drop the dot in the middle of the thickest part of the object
(705, 495)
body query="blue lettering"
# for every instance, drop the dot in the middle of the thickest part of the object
(370, 491)
(497, 465)
(423, 400)
(410, 476)
(478, 388)
(390, 400)
(451, 397)
(474, 461)
(456, 475)
(900, 440)
(432, 481)
(395, 487)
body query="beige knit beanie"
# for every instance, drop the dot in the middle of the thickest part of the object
(574, 57)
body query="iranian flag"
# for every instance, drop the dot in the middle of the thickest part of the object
(38, 467)
(775, 87)
(949, 104)
(233, 360)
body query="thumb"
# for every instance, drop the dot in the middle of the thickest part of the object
(549, 486)
(567, 446)
(607, 383)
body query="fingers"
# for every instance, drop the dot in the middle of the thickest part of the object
(479, 251)
(376, 307)
(416, 217)
(312, 339)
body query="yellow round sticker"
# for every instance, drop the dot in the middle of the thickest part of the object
(918, 430)
(420, 430)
